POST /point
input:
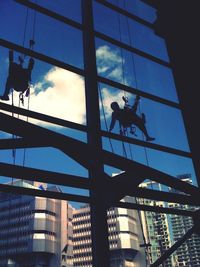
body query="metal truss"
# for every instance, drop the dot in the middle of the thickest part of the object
(111, 189)
(105, 191)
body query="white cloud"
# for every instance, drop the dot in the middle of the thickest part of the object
(61, 93)
(109, 62)
(63, 98)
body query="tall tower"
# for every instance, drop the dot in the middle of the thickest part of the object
(34, 230)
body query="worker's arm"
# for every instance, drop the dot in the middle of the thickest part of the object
(135, 106)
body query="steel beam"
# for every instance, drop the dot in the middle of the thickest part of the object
(51, 177)
(135, 206)
(168, 252)
(41, 193)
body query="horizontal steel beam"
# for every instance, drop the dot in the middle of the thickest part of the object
(165, 196)
(42, 117)
(136, 91)
(132, 140)
(135, 206)
(131, 49)
(40, 56)
(125, 13)
(51, 177)
(41, 193)
(50, 13)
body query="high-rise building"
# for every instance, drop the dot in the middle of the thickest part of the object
(34, 231)
(125, 237)
(162, 231)
(189, 253)
(156, 229)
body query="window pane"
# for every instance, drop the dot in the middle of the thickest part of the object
(135, 71)
(164, 123)
(52, 38)
(70, 8)
(136, 7)
(128, 31)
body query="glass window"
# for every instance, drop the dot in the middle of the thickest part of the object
(70, 8)
(128, 31)
(135, 71)
(54, 91)
(164, 123)
(52, 38)
(136, 7)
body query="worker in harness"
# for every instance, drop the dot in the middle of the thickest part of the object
(127, 117)
(18, 77)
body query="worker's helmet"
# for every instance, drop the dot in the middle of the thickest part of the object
(114, 106)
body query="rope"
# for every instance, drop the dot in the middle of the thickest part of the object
(104, 115)
(24, 154)
(25, 27)
(121, 52)
(146, 156)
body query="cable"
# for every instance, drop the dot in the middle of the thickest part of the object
(24, 154)
(146, 156)
(104, 115)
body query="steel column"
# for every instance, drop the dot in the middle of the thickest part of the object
(99, 228)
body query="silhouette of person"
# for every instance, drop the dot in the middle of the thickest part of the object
(127, 117)
(18, 77)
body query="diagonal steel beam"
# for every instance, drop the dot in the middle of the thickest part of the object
(67, 145)
(168, 252)
(137, 169)
(16, 143)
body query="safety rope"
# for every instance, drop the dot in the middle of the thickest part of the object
(104, 115)
(145, 150)
(21, 96)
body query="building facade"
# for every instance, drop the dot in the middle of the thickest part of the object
(34, 231)
(125, 238)
(156, 229)
(162, 231)
(189, 253)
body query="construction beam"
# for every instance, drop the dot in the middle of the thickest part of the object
(51, 177)
(136, 206)
(42, 193)
(42, 117)
(45, 58)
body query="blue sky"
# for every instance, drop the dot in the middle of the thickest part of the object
(61, 93)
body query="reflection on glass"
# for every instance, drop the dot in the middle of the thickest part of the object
(136, 7)
(135, 71)
(54, 91)
(52, 38)
(70, 8)
(162, 122)
(128, 31)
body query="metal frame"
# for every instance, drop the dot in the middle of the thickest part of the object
(104, 191)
